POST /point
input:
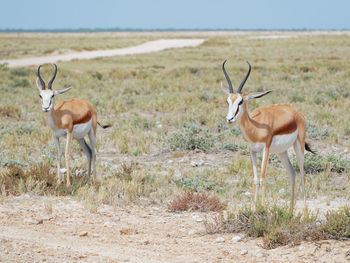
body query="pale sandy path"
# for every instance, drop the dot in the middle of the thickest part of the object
(151, 46)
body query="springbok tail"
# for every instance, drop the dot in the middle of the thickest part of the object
(308, 148)
(104, 126)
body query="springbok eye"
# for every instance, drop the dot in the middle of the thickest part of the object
(40, 96)
(240, 103)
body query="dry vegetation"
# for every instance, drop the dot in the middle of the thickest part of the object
(169, 144)
(278, 227)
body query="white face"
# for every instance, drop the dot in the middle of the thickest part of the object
(235, 104)
(46, 99)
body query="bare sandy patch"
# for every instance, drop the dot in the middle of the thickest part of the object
(71, 233)
(151, 46)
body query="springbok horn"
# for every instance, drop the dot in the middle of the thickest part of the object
(53, 78)
(227, 78)
(244, 80)
(41, 80)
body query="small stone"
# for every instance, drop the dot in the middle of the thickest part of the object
(197, 218)
(83, 234)
(220, 240)
(96, 235)
(282, 191)
(247, 193)
(108, 224)
(236, 238)
(301, 247)
(115, 218)
(63, 170)
(244, 252)
(170, 161)
(194, 164)
(191, 232)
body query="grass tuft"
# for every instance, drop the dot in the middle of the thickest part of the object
(191, 201)
(10, 111)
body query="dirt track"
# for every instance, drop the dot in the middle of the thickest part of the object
(151, 46)
(57, 229)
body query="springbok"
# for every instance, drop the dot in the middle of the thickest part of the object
(74, 118)
(273, 129)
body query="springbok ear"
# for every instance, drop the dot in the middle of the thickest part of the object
(58, 92)
(38, 84)
(257, 95)
(225, 88)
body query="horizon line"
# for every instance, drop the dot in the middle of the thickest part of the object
(116, 29)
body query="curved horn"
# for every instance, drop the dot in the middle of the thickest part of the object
(53, 78)
(41, 80)
(227, 77)
(245, 79)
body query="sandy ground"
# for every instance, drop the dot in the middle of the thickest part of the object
(151, 46)
(60, 229)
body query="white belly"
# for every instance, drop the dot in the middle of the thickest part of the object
(280, 143)
(79, 130)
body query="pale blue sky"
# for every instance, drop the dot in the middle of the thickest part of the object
(176, 14)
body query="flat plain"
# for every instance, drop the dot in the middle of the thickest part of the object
(168, 137)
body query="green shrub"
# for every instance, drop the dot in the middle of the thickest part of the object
(313, 163)
(20, 128)
(20, 82)
(315, 132)
(338, 164)
(197, 183)
(231, 147)
(190, 138)
(97, 75)
(21, 72)
(337, 225)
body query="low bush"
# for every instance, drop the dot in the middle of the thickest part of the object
(203, 202)
(190, 138)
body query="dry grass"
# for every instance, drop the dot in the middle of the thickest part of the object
(10, 111)
(37, 178)
(278, 227)
(192, 201)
